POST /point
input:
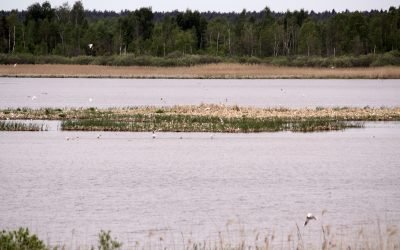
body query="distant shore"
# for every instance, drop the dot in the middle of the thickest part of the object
(208, 71)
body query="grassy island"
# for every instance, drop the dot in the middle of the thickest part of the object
(206, 118)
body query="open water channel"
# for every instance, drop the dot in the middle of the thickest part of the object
(197, 186)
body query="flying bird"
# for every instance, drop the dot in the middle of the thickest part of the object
(309, 217)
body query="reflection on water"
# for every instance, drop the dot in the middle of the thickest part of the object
(68, 190)
(36, 93)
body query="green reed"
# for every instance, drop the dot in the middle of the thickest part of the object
(21, 126)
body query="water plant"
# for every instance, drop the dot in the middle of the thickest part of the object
(21, 126)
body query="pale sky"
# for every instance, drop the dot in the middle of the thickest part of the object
(215, 5)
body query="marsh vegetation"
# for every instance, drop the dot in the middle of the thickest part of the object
(21, 126)
(385, 239)
(207, 118)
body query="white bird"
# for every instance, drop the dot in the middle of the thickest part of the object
(90, 100)
(90, 45)
(98, 136)
(15, 65)
(309, 217)
(34, 97)
(153, 135)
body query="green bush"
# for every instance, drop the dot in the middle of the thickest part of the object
(107, 243)
(20, 240)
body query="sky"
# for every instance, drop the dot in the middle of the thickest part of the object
(215, 5)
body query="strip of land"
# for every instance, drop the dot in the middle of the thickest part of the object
(209, 71)
(206, 118)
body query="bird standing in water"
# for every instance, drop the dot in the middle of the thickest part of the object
(309, 217)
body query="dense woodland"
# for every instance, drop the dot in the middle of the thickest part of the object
(67, 30)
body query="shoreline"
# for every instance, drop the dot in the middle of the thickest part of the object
(208, 71)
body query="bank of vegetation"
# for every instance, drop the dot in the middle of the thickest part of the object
(44, 34)
(23, 239)
(207, 118)
(348, 61)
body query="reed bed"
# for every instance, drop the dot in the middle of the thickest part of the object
(21, 126)
(381, 237)
(188, 123)
(207, 118)
(203, 71)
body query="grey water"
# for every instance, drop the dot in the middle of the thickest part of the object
(41, 92)
(196, 185)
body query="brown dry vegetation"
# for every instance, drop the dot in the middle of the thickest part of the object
(212, 110)
(223, 70)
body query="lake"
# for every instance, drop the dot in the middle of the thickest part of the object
(181, 187)
(55, 92)
(193, 186)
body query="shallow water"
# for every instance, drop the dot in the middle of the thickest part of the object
(41, 92)
(139, 187)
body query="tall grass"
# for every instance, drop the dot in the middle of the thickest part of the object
(191, 123)
(382, 238)
(21, 126)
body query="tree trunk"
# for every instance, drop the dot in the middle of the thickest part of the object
(9, 41)
(23, 37)
(229, 41)
(217, 43)
(14, 41)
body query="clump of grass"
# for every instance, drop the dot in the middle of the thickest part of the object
(106, 242)
(20, 126)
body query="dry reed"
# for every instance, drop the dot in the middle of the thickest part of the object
(209, 71)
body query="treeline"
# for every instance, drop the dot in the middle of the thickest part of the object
(73, 31)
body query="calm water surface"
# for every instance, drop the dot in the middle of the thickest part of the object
(67, 190)
(18, 92)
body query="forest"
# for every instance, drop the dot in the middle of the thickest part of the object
(71, 31)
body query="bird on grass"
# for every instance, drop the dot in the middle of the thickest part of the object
(309, 217)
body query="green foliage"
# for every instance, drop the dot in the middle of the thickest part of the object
(20, 240)
(73, 35)
(106, 242)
